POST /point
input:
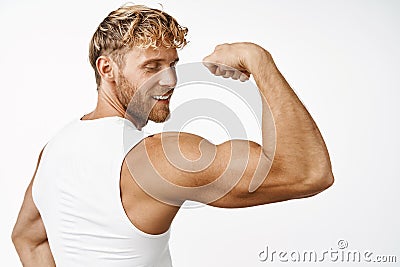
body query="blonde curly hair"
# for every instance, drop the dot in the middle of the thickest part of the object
(134, 26)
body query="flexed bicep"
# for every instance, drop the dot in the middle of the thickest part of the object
(183, 166)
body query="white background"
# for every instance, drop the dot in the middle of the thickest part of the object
(341, 57)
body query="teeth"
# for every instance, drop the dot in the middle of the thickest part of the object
(160, 97)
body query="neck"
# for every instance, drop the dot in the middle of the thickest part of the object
(109, 106)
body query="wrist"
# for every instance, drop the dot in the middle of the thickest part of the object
(256, 57)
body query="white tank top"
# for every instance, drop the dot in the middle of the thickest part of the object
(76, 190)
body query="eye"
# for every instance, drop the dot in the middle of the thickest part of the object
(152, 67)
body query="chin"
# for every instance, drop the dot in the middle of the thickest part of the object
(159, 114)
(160, 118)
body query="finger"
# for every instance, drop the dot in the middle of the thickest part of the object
(210, 66)
(219, 71)
(209, 62)
(243, 77)
(236, 75)
(228, 74)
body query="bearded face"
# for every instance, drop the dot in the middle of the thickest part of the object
(143, 103)
(145, 83)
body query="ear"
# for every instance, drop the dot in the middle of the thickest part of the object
(105, 66)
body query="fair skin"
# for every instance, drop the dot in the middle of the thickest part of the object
(179, 166)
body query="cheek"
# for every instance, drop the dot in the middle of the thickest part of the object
(147, 84)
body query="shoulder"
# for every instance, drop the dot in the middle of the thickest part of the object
(173, 144)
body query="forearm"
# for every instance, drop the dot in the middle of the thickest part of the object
(299, 144)
(34, 255)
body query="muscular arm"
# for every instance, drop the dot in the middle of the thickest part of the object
(292, 162)
(301, 165)
(29, 235)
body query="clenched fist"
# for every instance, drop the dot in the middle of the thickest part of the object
(234, 60)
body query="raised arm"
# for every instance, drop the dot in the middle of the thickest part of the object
(293, 161)
(301, 157)
(29, 235)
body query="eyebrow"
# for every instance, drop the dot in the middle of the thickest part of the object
(152, 60)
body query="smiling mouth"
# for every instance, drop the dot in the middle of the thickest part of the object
(166, 96)
(161, 97)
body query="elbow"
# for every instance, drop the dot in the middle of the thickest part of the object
(317, 183)
(18, 241)
(15, 238)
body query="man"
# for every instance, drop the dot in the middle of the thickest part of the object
(105, 195)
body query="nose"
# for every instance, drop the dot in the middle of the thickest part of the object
(168, 77)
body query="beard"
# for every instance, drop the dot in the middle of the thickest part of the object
(139, 105)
